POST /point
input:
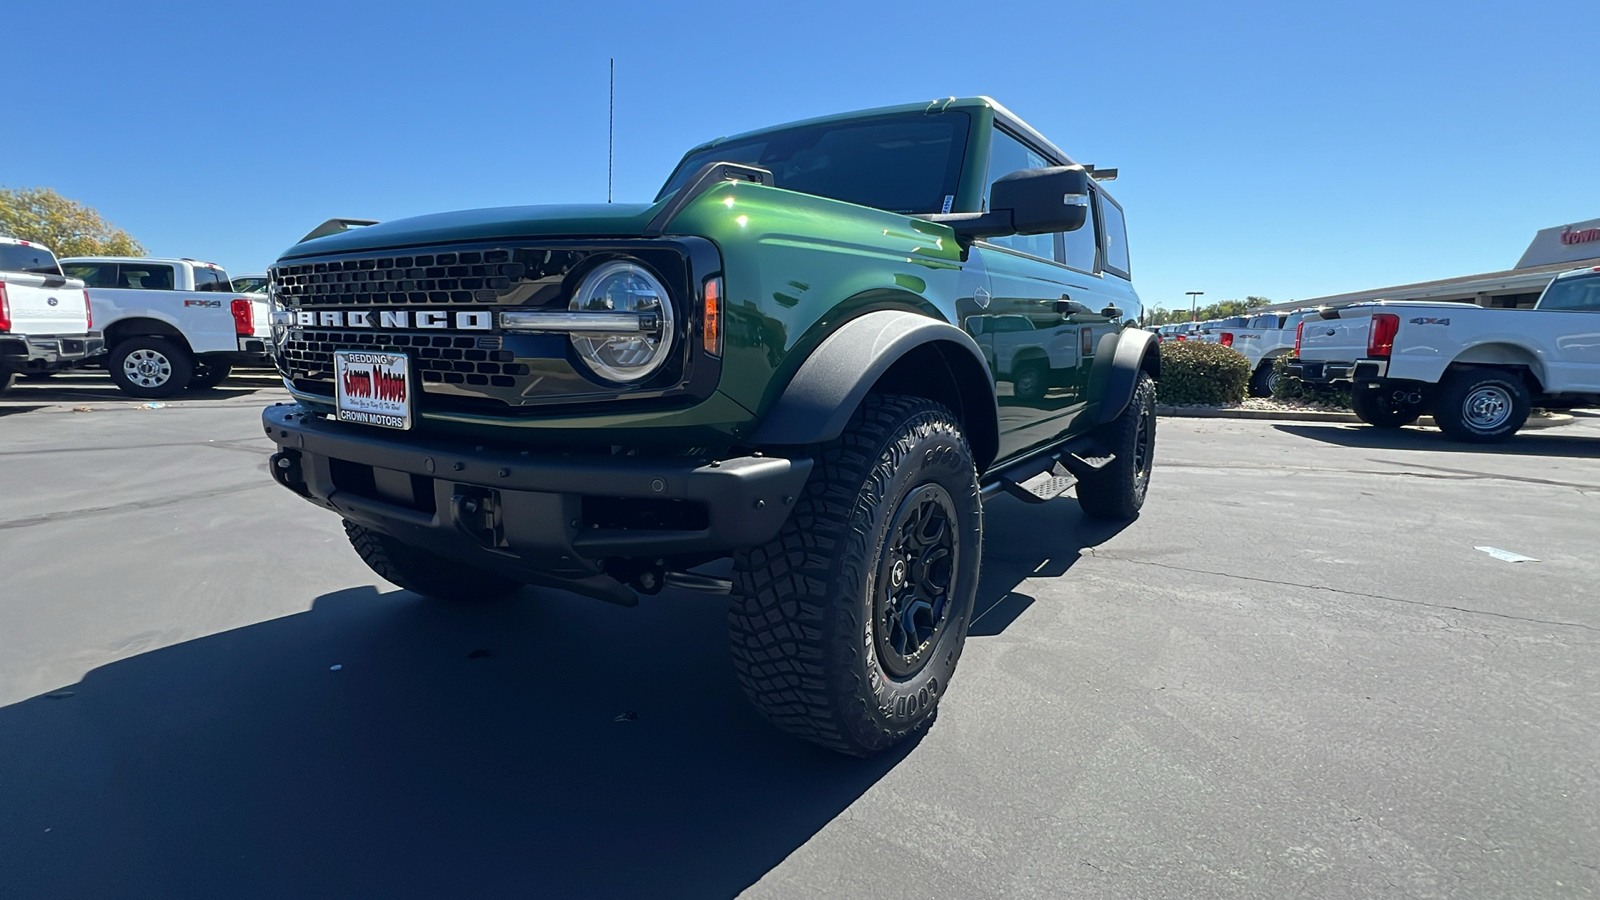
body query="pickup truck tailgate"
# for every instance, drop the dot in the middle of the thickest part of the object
(1343, 339)
(44, 304)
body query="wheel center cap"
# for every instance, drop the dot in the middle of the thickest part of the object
(897, 575)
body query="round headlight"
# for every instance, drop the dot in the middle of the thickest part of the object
(623, 286)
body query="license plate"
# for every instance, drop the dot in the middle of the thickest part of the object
(373, 388)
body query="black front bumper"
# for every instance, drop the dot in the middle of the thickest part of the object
(46, 352)
(542, 517)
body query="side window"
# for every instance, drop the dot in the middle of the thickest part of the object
(1081, 249)
(1115, 228)
(209, 279)
(145, 277)
(95, 275)
(1007, 155)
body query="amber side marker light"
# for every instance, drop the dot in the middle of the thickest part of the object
(711, 320)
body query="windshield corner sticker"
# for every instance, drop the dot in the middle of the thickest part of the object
(949, 201)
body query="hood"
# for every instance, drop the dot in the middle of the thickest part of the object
(503, 222)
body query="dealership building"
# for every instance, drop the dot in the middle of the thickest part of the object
(1554, 250)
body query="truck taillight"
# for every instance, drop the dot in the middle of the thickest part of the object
(243, 317)
(88, 312)
(1298, 331)
(1226, 339)
(1380, 337)
(5, 309)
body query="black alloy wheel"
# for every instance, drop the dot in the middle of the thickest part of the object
(912, 601)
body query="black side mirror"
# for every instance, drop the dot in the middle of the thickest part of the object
(1030, 201)
(1042, 201)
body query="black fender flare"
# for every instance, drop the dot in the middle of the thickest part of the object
(818, 401)
(1137, 351)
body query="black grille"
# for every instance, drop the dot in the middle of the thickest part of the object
(441, 359)
(473, 276)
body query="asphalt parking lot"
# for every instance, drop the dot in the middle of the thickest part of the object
(1293, 675)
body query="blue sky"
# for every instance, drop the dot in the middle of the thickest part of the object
(1287, 150)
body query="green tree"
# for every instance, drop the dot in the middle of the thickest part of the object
(65, 226)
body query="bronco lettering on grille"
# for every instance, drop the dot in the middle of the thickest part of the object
(423, 318)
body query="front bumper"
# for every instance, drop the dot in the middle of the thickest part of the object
(543, 517)
(1324, 371)
(43, 352)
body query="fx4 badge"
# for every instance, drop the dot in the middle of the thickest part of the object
(1421, 321)
(210, 303)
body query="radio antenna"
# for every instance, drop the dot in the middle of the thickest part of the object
(611, 128)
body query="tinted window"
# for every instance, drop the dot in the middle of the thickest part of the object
(1007, 155)
(250, 285)
(1233, 322)
(1115, 229)
(904, 164)
(18, 258)
(95, 275)
(207, 278)
(1580, 293)
(144, 276)
(1081, 248)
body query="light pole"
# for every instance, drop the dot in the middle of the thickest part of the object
(1194, 305)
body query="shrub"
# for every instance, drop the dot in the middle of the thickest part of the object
(1293, 389)
(1194, 372)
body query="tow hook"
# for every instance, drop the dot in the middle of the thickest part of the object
(285, 468)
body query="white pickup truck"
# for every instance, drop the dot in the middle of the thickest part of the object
(1478, 371)
(1261, 338)
(170, 324)
(45, 322)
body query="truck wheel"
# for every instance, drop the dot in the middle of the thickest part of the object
(421, 572)
(145, 366)
(208, 374)
(1031, 381)
(846, 628)
(1116, 490)
(1265, 380)
(1378, 408)
(1481, 405)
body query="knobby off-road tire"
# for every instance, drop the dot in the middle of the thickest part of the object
(150, 367)
(1377, 407)
(847, 627)
(421, 572)
(1481, 405)
(1117, 490)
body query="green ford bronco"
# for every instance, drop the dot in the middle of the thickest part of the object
(816, 353)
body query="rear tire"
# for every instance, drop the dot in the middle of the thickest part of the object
(6, 380)
(1377, 407)
(425, 573)
(1116, 491)
(847, 627)
(208, 374)
(1481, 405)
(1031, 380)
(1265, 380)
(150, 367)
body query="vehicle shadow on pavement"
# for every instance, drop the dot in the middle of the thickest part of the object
(1528, 443)
(1028, 540)
(545, 746)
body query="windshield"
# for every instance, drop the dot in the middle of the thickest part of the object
(1581, 293)
(28, 258)
(904, 164)
(250, 284)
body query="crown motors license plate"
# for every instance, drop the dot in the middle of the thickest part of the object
(373, 388)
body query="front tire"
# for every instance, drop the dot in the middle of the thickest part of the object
(847, 627)
(1481, 405)
(1116, 491)
(1265, 381)
(150, 367)
(1377, 407)
(425, 573)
